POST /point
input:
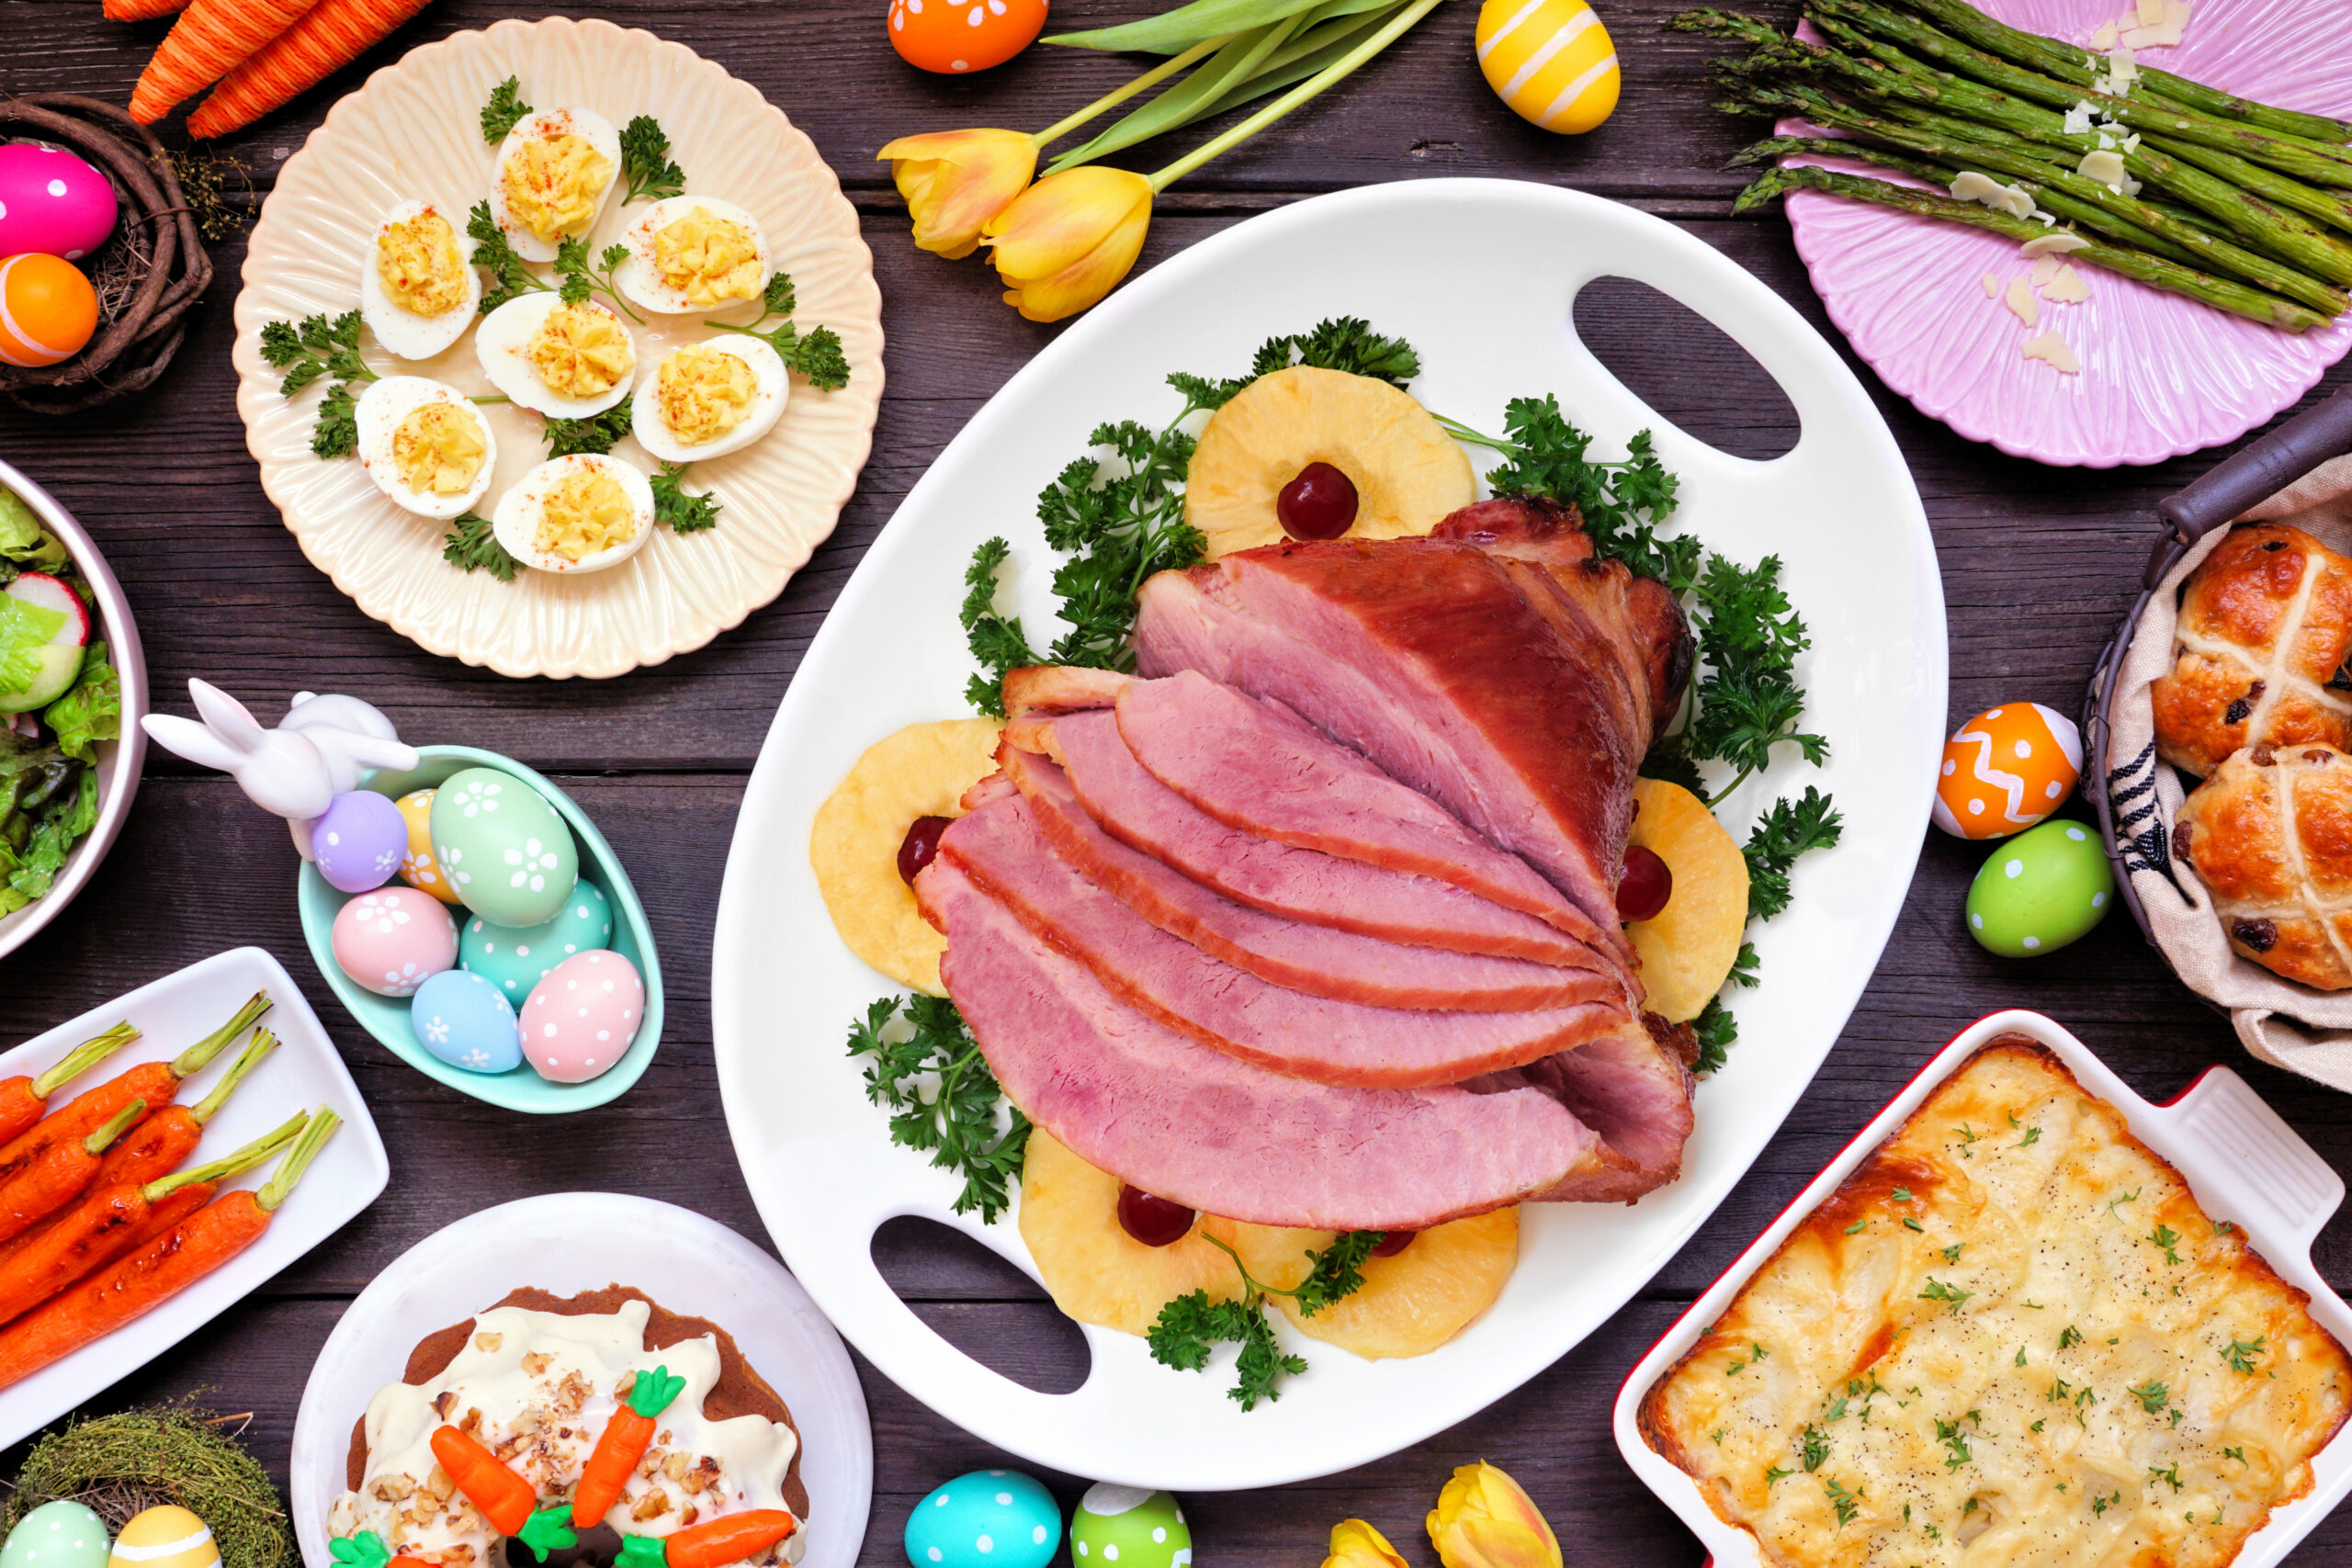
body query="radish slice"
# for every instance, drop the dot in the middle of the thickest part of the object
(44, 591)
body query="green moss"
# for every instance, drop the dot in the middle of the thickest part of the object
(123, 1463)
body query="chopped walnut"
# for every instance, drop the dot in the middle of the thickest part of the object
(441, 1402)
(537, 1362)
(439, 1484)
(674, 1467)
(702, 1477)
(457, 1556)
(399, 1530)
(489, 1342)
(571, 1393)
(692, 1512)
(392, 1488)
(652, 1505)
(654, 1459)
(530, 1419)
(472, 1422)
(628, 1381)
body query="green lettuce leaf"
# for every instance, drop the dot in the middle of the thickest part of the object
(24, 627)
(91, 711)
(62, 825)
(23, 539)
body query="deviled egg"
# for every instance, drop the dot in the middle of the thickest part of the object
(688, 253)
(554, 171)
(708, 398)
(418, 290)
(425, 445)
(564, 361)
(582, 513)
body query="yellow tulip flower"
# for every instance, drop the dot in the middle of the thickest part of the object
(1483, 1520)
(1355, 1544)
(1067, 239)
(955, 181)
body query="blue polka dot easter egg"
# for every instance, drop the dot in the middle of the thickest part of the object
(58, 1535)
(990, 1519)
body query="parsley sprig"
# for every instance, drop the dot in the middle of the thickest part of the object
(921, 1039)
(646, 164)
(319, 347)
(816, 356)
(581, 276)
(595, 434)
(1190, 1328)
(676, 510)
(470, 546)
(504, 111)
(673, 508)
(510, 277)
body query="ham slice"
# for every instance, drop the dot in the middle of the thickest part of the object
(1317, 960)
(1303, 884)
(1633, 1090)
(1256, 766)
(1213, 1132)
(999, 847)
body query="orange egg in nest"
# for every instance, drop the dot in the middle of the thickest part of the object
(48, 309)
(955, 36)
(2005, 770)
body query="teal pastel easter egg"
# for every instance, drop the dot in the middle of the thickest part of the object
(63, 1534)
(507, 853)
(2042, 889)
(990, 1519)
(516, 959)
(1130, 1527)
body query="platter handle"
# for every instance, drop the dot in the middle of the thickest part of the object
(2258, 1167)
(2255, 473)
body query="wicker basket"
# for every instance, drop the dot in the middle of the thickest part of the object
(154, 269)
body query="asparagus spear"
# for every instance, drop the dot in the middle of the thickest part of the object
(2222, 293)
(2070, 65)
(2329, 206)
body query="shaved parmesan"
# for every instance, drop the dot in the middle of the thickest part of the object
(1992, 286)
(2121, 73)
(2104, 166)
(1973, 186)
(2104, 38)
(2067, 288)
(2151, 12)
(2044, 269)
(2078, 118)
(2160, 31)
(2020, 303)
(2066, 240)
(2051, 350)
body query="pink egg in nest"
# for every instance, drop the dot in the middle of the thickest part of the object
(580, 1017)
(53, 203)
(395, 939)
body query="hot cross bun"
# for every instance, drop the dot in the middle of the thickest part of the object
(2270, 836)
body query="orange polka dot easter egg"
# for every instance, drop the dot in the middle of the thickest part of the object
(48, 309)
(2005, 770)
(165, 1537)
(953, 37)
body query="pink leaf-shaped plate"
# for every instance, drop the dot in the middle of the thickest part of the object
(2161, 375)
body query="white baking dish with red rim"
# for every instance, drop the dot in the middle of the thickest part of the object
(2239, 1157)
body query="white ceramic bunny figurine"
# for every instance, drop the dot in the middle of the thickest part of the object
(318, 752)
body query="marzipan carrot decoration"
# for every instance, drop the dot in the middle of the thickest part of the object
(621, 1444)
(22, 1099)
(60, 1174)
(137, 1283)
(155, 1082)
(714, 1545)
(329, 36)
(366, 1549)
(504, 1498)
(113, 1220)
(211, 38)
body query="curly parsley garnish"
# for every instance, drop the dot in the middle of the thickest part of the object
(817, 356)
(470, 546)
(319, 347)
(593, 434)
(676, 510)
(1189, 1328)
(908, 1039)
(504, 111)
(646, 164)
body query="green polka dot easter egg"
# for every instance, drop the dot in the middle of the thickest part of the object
(2041, 890)
(1129, 1526)
(63, 1534)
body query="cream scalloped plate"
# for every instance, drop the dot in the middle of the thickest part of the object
(414, 131)
(1481, 277)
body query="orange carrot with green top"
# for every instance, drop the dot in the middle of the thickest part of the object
(327, 36)
(504, 1498)
(136, 1284)
(22, 1099)
(621, 1444)
(211, 38)
(155, 1082)
(727, 1540)
(60, 1174)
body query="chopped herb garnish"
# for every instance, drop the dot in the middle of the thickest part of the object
(1912, 1224)
(2169, 1474)
(2223, 1227)
(1776, 1473)
(1952, 1252)
(1858, 1226)
(1900, 1195)
(1949, 1433)
(2069, 1337)
(1847, 1503)
(2032, 1135)
(1936, 1291)
(2101, 1504)
(2167, 1238)
(2021, 1355)
(2242, 1352)
(2238, 1454)
(2151, 1395)
(2130, 1197)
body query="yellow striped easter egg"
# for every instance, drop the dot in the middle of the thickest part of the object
(165, 1537)
(1550, 60)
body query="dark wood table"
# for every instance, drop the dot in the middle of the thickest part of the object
(2037, 565)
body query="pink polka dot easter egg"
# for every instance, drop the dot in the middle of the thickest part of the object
(578, 1022)
(395, 939)
(2005, 770)
(53, 203)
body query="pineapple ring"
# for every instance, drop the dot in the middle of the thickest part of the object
(922, 771)
(1094, 1270)
(1409, 1305)
(1408, 473)
(1689, 947)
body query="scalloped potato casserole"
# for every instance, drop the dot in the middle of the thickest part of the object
(2010, 1338)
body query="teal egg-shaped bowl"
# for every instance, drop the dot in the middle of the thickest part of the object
(386, 1018)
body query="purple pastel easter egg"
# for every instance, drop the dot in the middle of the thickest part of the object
(53, 202)
(359, 841)
(395, 939)
(578, 1021)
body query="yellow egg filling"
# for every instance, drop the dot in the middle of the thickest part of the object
(552, 186)
(581, 351)
(438, 449)
(585, 514)
(422, 271)
(708, 259)
(703, 392)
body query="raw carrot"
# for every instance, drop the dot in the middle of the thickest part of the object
(155, 1082)
(504, 1498)
(136, 1284)
(727, 1540)
(60, 1174)
(329, 36)
(112, 1220)
(621, 1445)
(141, 10)
(211, 38)
(23, 1099)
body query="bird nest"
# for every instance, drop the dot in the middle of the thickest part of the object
(147, 276)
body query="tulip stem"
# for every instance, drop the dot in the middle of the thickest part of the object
(1337, 70)
(1151, 78)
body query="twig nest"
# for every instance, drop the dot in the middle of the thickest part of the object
(146, 276)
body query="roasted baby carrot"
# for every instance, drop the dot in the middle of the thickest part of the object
(110, 1221)
(504, 1498)
(60, 1174)
(22, 1099)
(621, 1445)
(727, 1540)
(155, 1082)
(329, 36)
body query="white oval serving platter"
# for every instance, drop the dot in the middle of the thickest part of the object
(1480, 275)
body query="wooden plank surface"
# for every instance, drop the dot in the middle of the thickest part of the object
(2036, 563)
